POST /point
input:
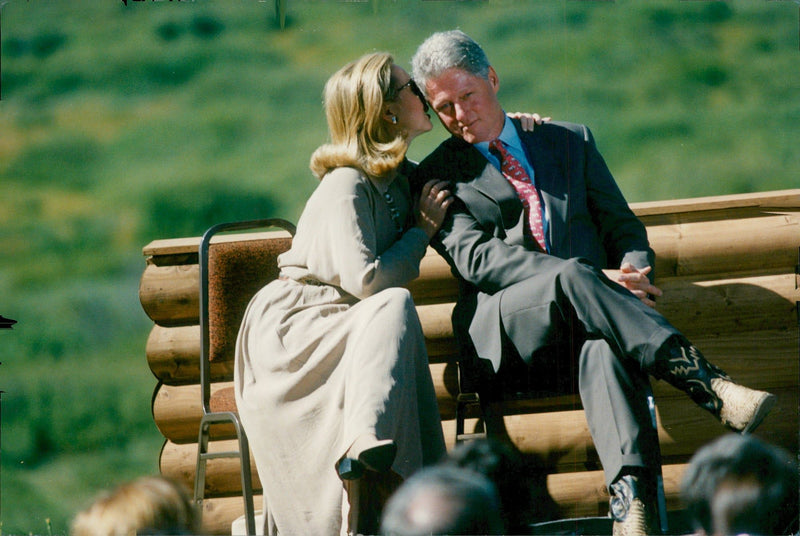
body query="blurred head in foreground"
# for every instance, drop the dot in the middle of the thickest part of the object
(148, 505)
(443, 500)
(738, 484)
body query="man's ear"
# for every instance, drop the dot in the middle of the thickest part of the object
(494, 80)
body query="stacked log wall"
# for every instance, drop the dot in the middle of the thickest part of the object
(729, 270)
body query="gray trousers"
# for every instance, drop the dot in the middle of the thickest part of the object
(614, 338)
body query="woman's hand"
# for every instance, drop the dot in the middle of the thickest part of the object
(432, 206)
(528, 121)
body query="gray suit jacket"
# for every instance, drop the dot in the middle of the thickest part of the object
(482, 237)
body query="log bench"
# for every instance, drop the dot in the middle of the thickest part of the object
(729, 267)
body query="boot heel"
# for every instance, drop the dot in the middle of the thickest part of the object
(380, 457)
(367, 452)
(350, 469)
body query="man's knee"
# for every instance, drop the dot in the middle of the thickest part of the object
(577, 268)
(578, 275)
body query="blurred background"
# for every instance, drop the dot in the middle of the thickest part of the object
(125, 122)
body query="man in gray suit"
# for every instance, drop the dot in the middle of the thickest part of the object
(549, 256)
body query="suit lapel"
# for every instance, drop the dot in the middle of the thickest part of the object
(492, 183)
(477, 174)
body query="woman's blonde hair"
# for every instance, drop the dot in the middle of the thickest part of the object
(147, 505)
(354, 104)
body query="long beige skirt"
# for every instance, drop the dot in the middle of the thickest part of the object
(315, 369)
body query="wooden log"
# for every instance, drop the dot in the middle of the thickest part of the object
(715, 247)
(584, 494)
(699, 309)
(177, 410)
(750, 303)
(436, 282)
(220, 513)
(653, 213)
(173, 355)
(174, 249)
(684, 247)
(437, 327)
(730, 305)
(719, 206)
(170, 295)
(682, 427)
(223, 475)
(578, 494)
(175, 303)
(766, 359)
(560, 440)
(725, 306)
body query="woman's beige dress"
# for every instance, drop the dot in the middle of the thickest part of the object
(334, 349)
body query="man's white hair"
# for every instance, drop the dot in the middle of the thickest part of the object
(447, 50)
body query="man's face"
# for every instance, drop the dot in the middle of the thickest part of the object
(467, 105)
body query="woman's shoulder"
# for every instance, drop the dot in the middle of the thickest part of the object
(342, 181)
(344, 175)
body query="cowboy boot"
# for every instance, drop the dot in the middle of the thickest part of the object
(738, 407)
(632, 506)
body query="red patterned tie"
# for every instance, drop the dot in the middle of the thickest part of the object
(519, 179)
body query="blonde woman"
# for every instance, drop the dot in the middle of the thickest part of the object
(331, 373)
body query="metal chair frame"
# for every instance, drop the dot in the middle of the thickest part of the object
(211, 418)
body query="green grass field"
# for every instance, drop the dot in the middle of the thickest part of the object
(121, 124)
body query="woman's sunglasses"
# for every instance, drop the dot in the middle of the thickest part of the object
(414, 89)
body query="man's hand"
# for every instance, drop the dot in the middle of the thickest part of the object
(636, 281)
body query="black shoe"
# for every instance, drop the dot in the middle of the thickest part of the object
(367, 452)
(633, 507)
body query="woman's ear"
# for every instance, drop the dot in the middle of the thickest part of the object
(389, 116)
